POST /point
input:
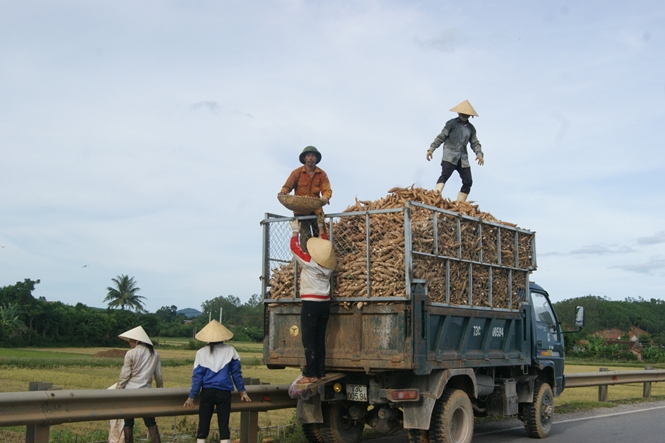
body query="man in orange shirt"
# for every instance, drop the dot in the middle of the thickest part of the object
(309, 181)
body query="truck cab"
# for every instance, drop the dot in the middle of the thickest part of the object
(548, 342)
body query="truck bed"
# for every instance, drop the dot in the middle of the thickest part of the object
(416, 288)
(412, 335)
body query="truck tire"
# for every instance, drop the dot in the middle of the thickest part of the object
(452, 418)
(338, 426)
(537, 416)
(312, 432)
(418, 436)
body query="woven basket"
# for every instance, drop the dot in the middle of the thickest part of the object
(300, 204)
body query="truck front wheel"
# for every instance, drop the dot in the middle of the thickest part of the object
(452, 418)
(339, 426)
(537, 416)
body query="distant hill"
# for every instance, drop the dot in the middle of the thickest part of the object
(603, 314)
(189, 312)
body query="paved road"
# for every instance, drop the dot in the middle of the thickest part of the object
(637, 423)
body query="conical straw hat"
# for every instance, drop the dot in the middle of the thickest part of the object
(137, 334)
(214, 332)
(465, 108)
(322, 252)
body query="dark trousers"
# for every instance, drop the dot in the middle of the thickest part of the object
(149, 422)
(308, 228)
(447, 170)
(313, 322)
(211, 397)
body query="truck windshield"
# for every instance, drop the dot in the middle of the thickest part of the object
(543, 310)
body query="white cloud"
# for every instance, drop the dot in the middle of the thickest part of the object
(654, 266)
(601, 250)
(149, 140)
(652, 239)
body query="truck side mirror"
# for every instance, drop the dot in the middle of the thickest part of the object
(579, 316)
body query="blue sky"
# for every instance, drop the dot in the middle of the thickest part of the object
(149, 138)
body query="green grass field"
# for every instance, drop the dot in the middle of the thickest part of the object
(78, 368)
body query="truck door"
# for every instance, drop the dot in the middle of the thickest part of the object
(549, 339)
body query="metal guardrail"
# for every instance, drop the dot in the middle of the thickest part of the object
(605, 378)
(42, 409)
(57, 407)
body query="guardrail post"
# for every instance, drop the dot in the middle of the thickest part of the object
(38, 433)
(602, 389)
(249, 421)
(646, 389)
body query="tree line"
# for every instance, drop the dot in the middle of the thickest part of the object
(603, 314)
(29, 321)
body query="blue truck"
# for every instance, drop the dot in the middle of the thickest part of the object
(434, 320)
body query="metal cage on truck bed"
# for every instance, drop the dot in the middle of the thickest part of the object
(415, 288)
(466, 261)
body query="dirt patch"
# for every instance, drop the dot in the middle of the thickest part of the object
(111, 353)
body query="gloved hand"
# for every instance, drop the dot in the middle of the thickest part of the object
(480, 160)
(429, 155)
(295, 226)
(325, 200)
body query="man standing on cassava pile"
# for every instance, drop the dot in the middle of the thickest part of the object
(455, 136)
(309, 181)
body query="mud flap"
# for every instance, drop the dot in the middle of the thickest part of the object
(417, 415)
(309, 411)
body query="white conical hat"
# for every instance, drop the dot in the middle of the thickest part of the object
(322, 252)
(465, 108)
(214, 332)
(137, 334)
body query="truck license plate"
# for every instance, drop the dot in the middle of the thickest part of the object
(356, 392)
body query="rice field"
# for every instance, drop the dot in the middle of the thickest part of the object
(78, 368)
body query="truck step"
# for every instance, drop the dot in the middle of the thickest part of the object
(331, 376)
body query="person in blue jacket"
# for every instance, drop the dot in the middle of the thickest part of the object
(216, 370)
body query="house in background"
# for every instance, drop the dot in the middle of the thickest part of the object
(617, 336)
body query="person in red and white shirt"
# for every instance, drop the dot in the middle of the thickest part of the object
(317, 266)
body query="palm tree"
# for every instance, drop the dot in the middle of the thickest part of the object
(10, 323)
(124, 294)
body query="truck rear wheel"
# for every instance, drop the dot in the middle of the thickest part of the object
(338, 425)
(312, 432)
(452, 418)
(537, 416)
(418, 436)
